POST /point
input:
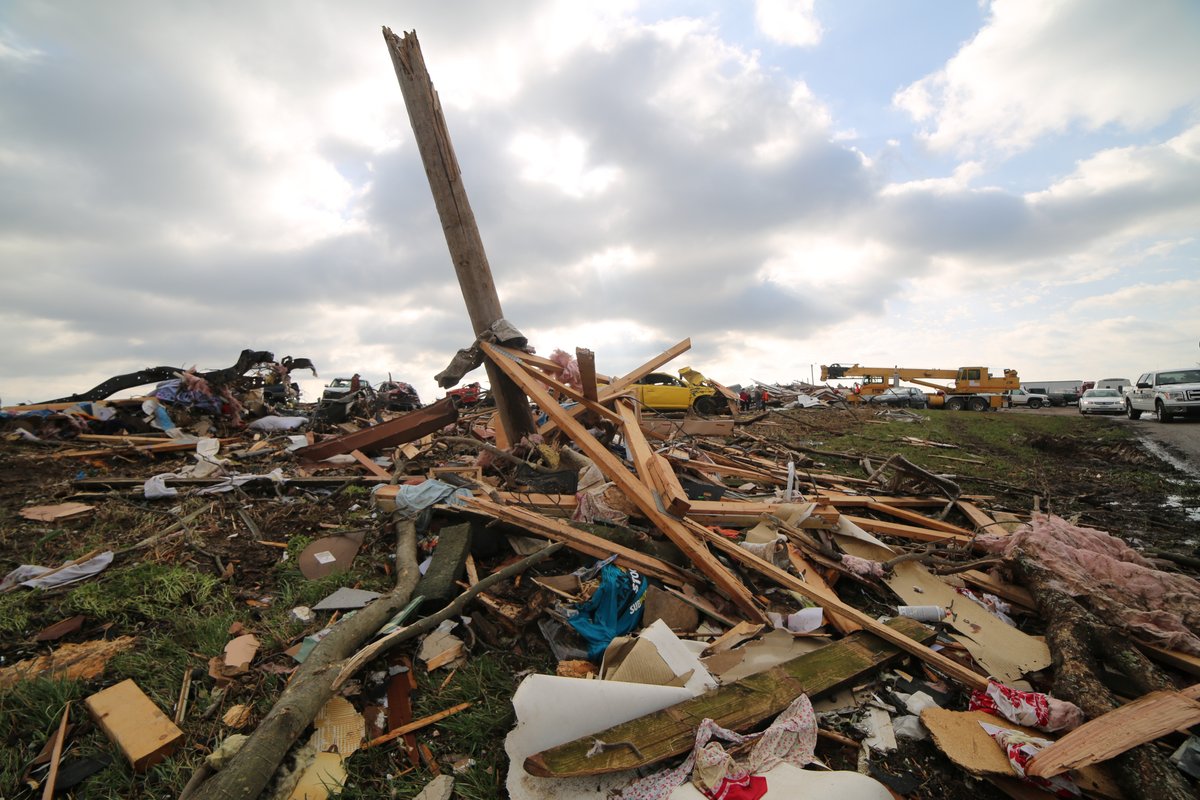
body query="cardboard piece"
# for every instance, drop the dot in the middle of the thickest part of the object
(675, 613)
(132, 722)
(339, 727)
(240, 652)
(324, 776)
(330, 554)
(656, 655)
(346, 598)
(959, 735)
(57, 513)
(1005, 652)
(771, 650)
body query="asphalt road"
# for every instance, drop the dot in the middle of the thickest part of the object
(1177, 442)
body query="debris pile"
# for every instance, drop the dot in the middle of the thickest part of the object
(719, 612)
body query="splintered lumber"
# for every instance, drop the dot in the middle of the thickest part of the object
(903, 531)
(669, 493)
(812, 576)
(615, 470)
(587, 372)
(371, 466)
(407, 428)
(1141, 721)
(978, 516)
(619, 385)
(582, 541)
(951, 668)
(131, 721)
(736, 706)
(416, 725)
(918, 519)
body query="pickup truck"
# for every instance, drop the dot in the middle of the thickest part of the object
(1170, 393)
(1020, 397)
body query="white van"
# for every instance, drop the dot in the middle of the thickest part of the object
(1120, 384)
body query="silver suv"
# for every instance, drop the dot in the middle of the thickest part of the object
(1168, 394)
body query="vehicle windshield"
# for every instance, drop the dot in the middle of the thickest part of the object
(338, 383)
(1179, 376)
(1101, 393)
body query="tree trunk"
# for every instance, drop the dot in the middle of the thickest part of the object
(1081, 645)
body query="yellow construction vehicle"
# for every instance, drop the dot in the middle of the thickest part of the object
(975, 388)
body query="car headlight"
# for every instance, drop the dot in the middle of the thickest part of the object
(1174, 395)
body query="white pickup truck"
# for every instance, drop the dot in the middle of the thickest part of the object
(1170, 393)
(1020, 397)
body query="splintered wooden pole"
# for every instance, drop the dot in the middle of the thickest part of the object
(458, 220)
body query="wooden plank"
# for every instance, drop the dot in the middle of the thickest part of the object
(406, 428)
(619, 385)
(960, 673)
(615, 471)
(1018, 595)
(56, 753)
(674, 497)
(737, 706)
(560, 387)
(131, 721)
(372, 467)
(1184, 662)
(903, 531)
(1121, 729)
(812, 576)
(582, 541)
(918, 519)
(587, 372)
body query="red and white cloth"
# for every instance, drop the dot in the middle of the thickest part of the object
(792, 737)
(1032, 709)
(1020, 748)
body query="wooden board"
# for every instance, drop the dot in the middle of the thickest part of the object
(737, 706)
(132, 722)
(1121, 729)
(902, 531)
(812, 576)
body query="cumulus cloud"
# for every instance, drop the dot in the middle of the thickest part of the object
(1040, 68)
(790, 22)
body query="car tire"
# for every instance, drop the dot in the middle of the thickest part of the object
(977, 404)
(1035, 404)
(1163, 416)
(1132, 412)
(955, 404)
(1081, 411)
(706, 405)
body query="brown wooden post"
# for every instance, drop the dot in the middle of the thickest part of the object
(458, 221)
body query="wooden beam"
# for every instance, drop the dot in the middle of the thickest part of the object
(587, 372)
(812, 576)
(615, 471)
(906, 531)
(619, 385)
(965, 676)
(406, 428)
(458, 220)
(371, 466)
(582, 541)
(737, 706)
(918, 519)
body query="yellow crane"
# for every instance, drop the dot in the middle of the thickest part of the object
(975, 388)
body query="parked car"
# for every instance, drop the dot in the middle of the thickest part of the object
(1020, 397)
(1122, 385)
(398, 396)
(471, 394)
(1171, 393)
(899, 397)
(341, 387)
(1102, 401)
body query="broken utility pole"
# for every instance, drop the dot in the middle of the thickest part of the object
(458, 221)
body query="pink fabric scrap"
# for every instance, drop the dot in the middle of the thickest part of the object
(1020, 748)
(1119, 584)
(1032, 709)
(792, 737)
(568, 369)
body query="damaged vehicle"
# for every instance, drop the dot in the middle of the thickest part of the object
(398, 396)
(691, 391)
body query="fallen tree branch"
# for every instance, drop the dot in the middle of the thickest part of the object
(496, 451)
(249, 772)
(427, 624)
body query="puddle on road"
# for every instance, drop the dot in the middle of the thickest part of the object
(1172, 459)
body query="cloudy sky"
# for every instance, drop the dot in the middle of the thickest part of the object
(1012, 183)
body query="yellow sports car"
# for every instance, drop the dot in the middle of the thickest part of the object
(691, 390)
